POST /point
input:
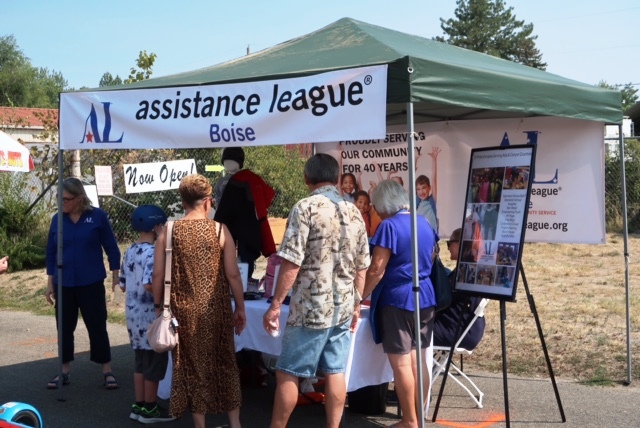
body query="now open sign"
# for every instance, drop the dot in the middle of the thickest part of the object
(153, 177)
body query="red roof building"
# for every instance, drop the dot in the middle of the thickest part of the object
(27, 125)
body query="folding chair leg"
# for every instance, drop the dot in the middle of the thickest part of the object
(439, 365)
(480, 395)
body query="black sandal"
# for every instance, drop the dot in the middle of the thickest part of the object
(110, 384)
(53, 383)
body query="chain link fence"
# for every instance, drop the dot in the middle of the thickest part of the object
(280, 166)
(613, 186)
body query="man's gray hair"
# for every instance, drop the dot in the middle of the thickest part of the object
(321, 168)
(389, 197)
(75, 187)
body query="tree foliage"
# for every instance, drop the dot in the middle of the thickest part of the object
(283, 170)
(144, 71)
(145, 67)
(24, 85)
(629, 93)
(22, 237)
(613, 195)
(490, 27)
(108, 80)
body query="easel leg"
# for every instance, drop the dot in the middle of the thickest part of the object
(503, 340)
(532, 306)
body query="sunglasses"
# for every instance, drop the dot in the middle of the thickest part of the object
(67, 199)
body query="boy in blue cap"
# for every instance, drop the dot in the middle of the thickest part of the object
(135, 281)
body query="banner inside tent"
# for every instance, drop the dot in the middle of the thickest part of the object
(567, 197)
(344, 104)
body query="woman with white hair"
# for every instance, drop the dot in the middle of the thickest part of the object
(390, 280)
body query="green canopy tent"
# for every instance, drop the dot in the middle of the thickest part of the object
(443, 82)
(427, 81)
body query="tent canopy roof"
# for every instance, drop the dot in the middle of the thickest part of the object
(443, 81)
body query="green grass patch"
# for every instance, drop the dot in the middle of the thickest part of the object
(599, 378)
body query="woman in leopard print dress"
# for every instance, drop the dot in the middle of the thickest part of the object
(205, 374)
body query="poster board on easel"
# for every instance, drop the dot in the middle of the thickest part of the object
(495, 220)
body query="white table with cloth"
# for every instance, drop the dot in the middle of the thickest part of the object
(371, 363)
(367, 363)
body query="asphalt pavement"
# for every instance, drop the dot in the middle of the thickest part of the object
(28, 359)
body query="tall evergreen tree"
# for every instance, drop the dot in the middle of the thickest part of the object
(490, 27)
(108, 80)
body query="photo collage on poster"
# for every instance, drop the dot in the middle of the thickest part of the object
(492, 228)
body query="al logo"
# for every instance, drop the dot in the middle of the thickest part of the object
(532, 139)
(91, 127)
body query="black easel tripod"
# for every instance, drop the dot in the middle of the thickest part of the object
(503, 316)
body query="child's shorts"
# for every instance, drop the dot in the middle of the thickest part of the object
(151, 364)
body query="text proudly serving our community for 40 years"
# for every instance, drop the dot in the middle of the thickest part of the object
(318, 100)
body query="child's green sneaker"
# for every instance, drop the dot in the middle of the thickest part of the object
(136, 411)
(157, 414)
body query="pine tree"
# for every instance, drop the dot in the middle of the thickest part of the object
(490, 27)
(108, 80)
(628, 91)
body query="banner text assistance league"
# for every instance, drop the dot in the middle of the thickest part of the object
(238, 105)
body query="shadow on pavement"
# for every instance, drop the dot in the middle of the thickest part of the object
(87, 404)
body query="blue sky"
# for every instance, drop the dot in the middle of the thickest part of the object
(589, 40)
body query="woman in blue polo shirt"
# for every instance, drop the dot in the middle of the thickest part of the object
(86, 232)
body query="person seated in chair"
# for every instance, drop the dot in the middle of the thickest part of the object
(446, 323)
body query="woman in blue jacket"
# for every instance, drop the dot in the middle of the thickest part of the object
(86, 232)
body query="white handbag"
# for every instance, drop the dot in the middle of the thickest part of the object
(163, 331)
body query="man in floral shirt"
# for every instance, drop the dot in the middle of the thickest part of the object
(325, 256)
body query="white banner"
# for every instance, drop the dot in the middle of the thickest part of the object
(152, 177)
(567, 201)
(345, 104)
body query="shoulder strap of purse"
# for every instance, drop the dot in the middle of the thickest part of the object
(167, 265)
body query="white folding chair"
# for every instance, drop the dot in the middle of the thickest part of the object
(441, 354)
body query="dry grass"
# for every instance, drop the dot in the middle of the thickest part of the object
(579, 294)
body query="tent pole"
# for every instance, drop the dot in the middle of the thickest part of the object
(59, 265)
(625, 234)
(414, 260)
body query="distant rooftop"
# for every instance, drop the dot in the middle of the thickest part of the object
(17, 117)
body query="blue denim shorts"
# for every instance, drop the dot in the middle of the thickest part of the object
(306, 351)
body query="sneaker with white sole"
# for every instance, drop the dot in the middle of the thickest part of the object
(157, 414)
(135, 412)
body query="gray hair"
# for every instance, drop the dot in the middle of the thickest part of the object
(321, 168)
(76, 188)
(389, 197)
